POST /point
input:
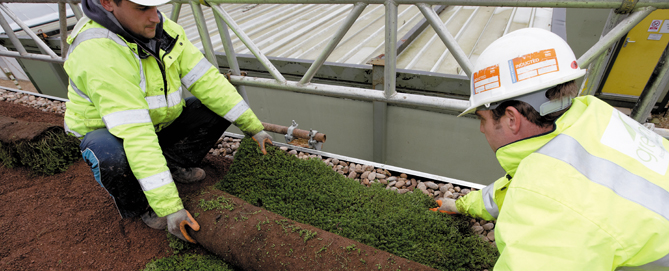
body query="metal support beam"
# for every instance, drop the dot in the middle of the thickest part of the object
(446, 37)
(380, 126)
(410, 36)
(176, 9)
(230, 53)
(390, 74)
(377, 73)
(204, 32)
(379, 114)
(336, 38)
(608, 4)
(364, 94)
(76, 9)
(31, 56)
(249, 44)
(62, 18)
(28, 31)
(459, 54)
(12, 36)
(650, 96)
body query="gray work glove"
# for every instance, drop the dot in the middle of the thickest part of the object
(262, 138)
(176, 224)
(446, 205)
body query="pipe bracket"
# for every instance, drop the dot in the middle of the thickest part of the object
(312, 142)
(289, 134)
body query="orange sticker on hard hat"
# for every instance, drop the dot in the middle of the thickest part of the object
(486, 79)
(533, 65)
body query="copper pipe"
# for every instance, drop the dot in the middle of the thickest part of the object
(298, 133)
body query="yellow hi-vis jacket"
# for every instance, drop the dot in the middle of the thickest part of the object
(112, 87)
(591, 195)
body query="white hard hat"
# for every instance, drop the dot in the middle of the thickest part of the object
(150, 3)
(516, 65)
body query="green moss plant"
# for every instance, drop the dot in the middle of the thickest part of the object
(310, 192)
(177, 244)
(50, 153)
(188, 262)
(6, 156)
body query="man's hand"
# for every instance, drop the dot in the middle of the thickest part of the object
(446, 205)
(263, 137)
(176, 224)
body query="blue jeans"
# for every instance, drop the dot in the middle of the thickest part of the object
(184, 143)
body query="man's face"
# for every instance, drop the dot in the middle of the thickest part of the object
(139, 20)
(493, 130)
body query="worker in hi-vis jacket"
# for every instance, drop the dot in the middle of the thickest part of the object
(586, 187)
(128, 66)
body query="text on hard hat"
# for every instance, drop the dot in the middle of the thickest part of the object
(533, 65)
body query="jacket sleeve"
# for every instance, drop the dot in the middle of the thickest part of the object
(536, 232)
(206, 83)
(484, 203)
(111, 81)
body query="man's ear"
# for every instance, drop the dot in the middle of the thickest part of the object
(108, 5)
(513, 119)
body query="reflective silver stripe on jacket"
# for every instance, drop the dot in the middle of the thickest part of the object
(658, 265)
(664, 261)
(158, 101)
(488, 194)
(126, 117)
(103, 33)
(68, 130)
(236, 111)
(155, 181)
(95, 33)
(604, 172)
(81, 94)
(194, 74)
(142, 78)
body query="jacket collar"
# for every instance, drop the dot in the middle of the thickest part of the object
(94, 10)
(510, 155)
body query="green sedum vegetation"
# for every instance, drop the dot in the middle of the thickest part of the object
(188, 262)
(53, 152)
(310, 192)
(177, 244)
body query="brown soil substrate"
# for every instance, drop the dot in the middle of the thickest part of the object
(253, 238)
(68, 222)
(13, 130)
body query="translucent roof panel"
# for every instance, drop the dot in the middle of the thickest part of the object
(301, 31)
(33, 14)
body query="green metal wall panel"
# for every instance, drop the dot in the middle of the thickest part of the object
(431, 142)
